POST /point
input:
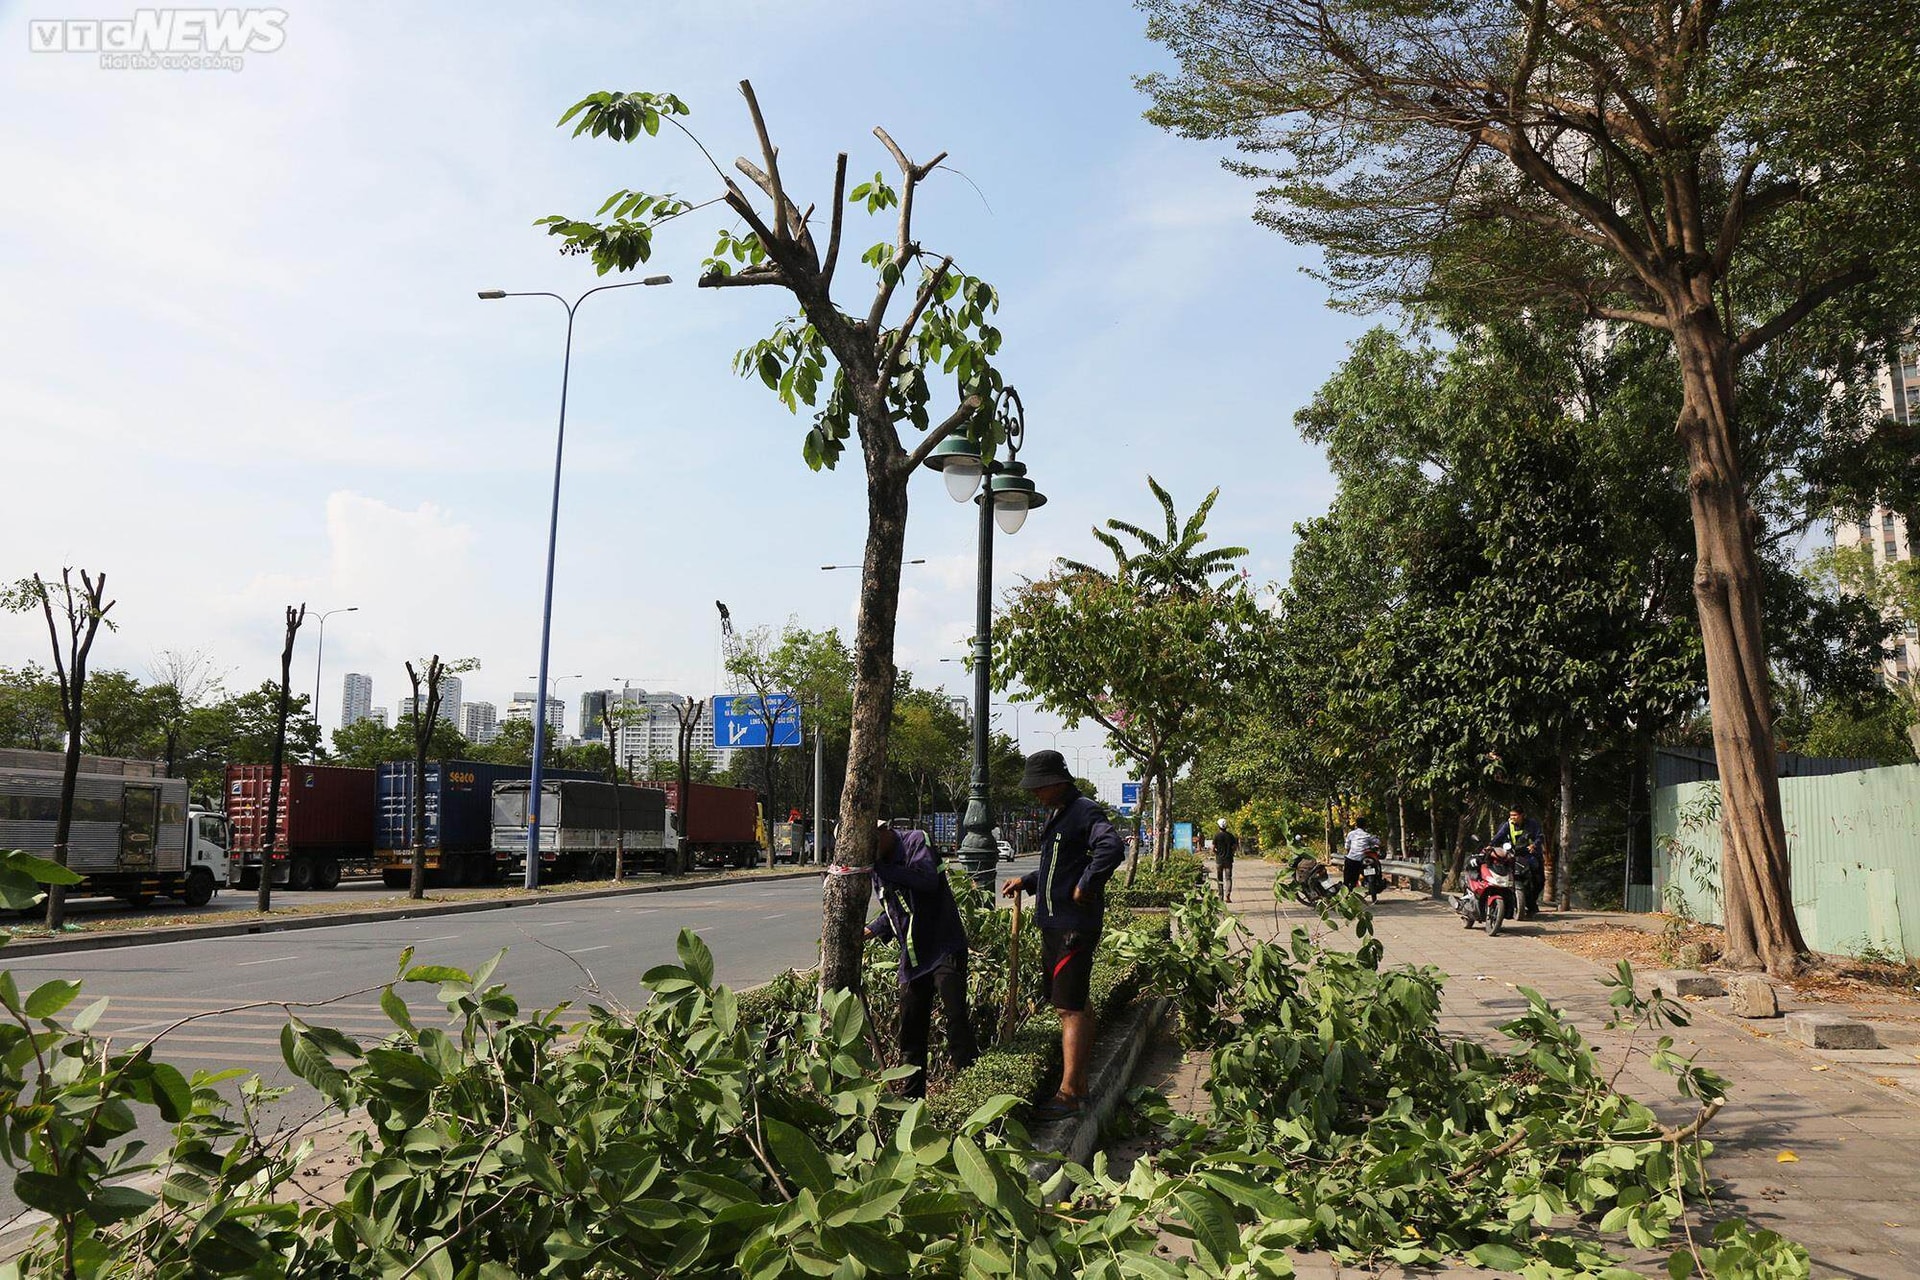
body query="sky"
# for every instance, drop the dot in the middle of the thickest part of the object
(242, 363)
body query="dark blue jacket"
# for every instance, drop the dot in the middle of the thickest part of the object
(917, 906)
(1528, 842)
(1079, 849)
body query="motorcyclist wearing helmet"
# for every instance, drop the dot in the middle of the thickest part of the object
(1529, 848)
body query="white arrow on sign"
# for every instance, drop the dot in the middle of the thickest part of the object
(735, 732)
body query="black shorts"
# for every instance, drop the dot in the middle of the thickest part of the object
(1066, 955)
(1350, 872)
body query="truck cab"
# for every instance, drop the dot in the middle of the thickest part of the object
(207, 840)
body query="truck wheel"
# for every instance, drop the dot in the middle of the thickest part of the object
(396, 879)
(300, 874)
(137, 900)
(199, 888)
(601, 868)
(327, 874)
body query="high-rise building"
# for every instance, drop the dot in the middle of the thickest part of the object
(521, 708)
(356, 698)
(593, 705)
(479, 721)
(379, 716)
(1884, 534)
(450, 700)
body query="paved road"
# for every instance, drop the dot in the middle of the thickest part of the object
(755, 931)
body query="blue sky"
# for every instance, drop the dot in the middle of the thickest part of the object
(243, 365)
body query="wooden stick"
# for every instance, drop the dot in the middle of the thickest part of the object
(1013, 973)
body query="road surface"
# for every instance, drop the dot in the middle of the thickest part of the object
(754, 930)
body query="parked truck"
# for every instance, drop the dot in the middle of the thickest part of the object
(721, 826)
(459, 825)
(324, 828)
(134, 836)
(582, 827)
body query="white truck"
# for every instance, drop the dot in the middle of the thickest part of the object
(134, 836)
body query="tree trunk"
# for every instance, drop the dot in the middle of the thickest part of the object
(1162, 815)
(1563, 830)
(1462, 830)
(766, 775)
(1756, 886)
(264, 900)
(1329, 829)
(844, 906)
(417, 882)
(69, 782)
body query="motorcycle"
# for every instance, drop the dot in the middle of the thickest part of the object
(1493, 889)
(1373, 878)
(1309, 882)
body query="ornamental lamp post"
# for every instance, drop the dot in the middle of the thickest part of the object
(1005, 500)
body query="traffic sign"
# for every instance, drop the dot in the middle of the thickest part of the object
(1183, 836)
(737, 721)
(1129, 795)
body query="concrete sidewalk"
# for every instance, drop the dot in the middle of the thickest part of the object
(1851, 1195)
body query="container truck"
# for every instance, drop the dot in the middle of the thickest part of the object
(324, 829)
(723, 826)
(582, 825)
(459, 836)
(133, 837)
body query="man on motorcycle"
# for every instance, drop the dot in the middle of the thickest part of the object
(1530, 847)
(1361, 844)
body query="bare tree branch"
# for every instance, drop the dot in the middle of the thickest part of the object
(928, 288)
(772, 154)
(839, 210)
(965, 410)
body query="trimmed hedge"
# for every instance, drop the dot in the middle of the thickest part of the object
(1159, 884)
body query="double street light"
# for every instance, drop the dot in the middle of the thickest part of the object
(553, 534)
(1005, 499)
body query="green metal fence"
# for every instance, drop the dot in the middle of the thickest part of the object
(1854, 841)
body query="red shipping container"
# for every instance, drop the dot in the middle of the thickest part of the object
(722, 816)
(322, 808)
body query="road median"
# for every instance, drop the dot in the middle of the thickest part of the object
(142, 937)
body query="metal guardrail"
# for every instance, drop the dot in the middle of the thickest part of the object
(1422, 871)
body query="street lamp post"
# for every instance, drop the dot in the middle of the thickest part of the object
(319, 650)
(1005, 500)
(553, 534)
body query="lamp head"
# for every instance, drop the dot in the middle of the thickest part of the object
(490, 294)
(958, 460)
(1013, 496)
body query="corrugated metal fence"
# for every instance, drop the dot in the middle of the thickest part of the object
(1854, 841)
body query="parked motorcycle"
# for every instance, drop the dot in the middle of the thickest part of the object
(1309, 882)
(1493, 889)
(1373, 878)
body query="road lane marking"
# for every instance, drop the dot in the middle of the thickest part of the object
(445, 937)
(583, 950)
(273, 960)
(778, 915)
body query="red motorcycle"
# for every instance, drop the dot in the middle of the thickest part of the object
(1493, 889)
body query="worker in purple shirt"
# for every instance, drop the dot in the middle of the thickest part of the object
(918, 910)
(1079, 852)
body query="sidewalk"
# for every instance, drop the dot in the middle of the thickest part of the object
(1852, 1197)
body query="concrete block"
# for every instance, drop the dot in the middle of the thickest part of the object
(1754, 997)
(1686, 982)
(1830, 1031)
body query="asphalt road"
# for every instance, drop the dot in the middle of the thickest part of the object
(754, 930)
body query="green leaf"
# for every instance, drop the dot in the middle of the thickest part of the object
(1212, 1222)
(306, 1060)
(115, 1204)
(1497, 1256)
(695, 956)
(59, 1197)
(51, 997)
(798, 1156)
(975, 1172)
(396, 1010)
(438, 973)
(45, 870)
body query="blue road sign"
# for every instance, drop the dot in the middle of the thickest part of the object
(1183, 836)
(737, 721)
(1129, 795)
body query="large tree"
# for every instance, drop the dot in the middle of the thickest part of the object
(865, 370)
(1716, 172)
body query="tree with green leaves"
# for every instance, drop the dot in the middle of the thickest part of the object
(29, 708)
(1721, 174)
(74, 613)
(864, 371)
(1171, 563)
(928, 744)
(426, 680)
(751, 659)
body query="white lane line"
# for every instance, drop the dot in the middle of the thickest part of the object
(583, 950)
(778, 915)
(445, 937)
(271, 960)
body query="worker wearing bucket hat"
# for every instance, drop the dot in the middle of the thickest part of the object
(1079, 852)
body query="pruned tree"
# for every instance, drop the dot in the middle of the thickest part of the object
(690, 713)
(1718, 173)
(426, 680)
(183, 681)
(263, 901)
(74, 614)
(864, 370)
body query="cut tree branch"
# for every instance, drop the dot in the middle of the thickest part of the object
(772, 154)
(928, 288)
(962, 412)
(839, 209)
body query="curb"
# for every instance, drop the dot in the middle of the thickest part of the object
(1074, 1141)
(202, 932)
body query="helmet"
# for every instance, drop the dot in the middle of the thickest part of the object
(1223, 824)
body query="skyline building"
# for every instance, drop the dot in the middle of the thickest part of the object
(356, 698)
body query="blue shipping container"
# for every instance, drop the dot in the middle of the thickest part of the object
(459, 802)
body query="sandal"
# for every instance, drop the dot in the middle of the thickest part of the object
(1058, 1108)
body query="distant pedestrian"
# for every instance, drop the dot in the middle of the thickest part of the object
(1225, 846)
(918, 910)
(1079, 852)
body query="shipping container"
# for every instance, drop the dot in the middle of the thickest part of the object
(459, 823)
(133, 835)
(723, 826)
(583, 826)
(324, 828)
